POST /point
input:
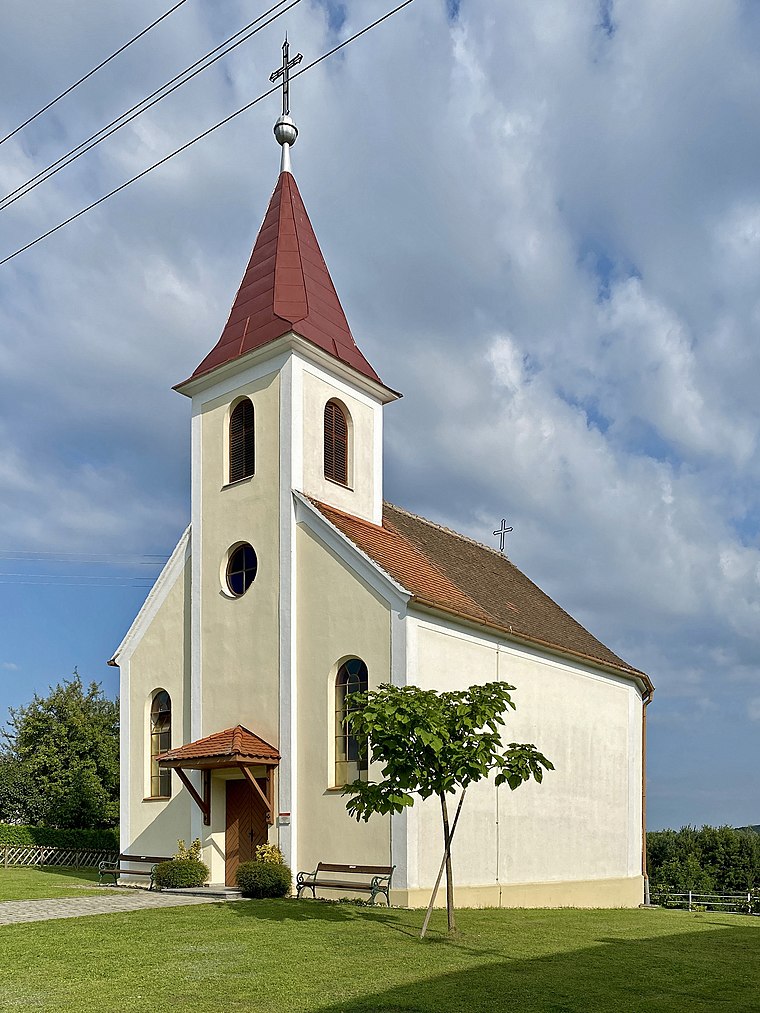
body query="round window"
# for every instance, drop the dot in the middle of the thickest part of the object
(241, 569)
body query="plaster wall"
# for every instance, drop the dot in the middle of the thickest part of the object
(338, 617)
(583, 824)
(239, 652)
(159, 661)
(363, 496)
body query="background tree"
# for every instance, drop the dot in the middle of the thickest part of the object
(59, 764)
(435, 744)
(707, 860)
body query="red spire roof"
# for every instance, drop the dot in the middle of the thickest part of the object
(286, 287)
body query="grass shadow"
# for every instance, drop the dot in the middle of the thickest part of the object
(394, 919)
(290, 909)
(696, 971)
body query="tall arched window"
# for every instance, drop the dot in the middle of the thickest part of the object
(336, 443)
(242, 441)
(160, 742)
(350, 755)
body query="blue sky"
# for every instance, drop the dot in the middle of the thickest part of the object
(544, 224)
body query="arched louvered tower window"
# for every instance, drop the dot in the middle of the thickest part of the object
(350, 755)
(336, 443)
(242, 441)
(160, 742)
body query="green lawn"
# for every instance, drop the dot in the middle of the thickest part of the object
(34, 884)
(277, 956)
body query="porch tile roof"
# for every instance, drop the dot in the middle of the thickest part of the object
(238, 745)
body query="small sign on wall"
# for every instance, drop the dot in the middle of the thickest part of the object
(283, 819)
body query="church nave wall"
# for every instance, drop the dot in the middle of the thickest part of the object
(583, 823)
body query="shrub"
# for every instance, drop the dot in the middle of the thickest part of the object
(180, 872)
(264, 879)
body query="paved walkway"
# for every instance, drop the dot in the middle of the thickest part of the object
(15, 912)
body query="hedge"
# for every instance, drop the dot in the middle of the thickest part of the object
(15, 836)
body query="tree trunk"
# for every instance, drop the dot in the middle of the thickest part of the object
(443, 865)
(449, 872)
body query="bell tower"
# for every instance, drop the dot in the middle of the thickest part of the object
(284, 403)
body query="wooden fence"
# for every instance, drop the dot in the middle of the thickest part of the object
(77, 858)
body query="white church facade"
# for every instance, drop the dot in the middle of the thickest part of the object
(295, 583)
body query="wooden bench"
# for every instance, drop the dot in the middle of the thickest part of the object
(115, 868)
(375, 879)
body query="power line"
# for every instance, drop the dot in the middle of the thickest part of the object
(73, 582)
(199, 137)
(89, 74)
(74, 576)
(144, 104)
(95, 559)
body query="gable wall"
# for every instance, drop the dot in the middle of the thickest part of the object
(338, 617)
(160, 660)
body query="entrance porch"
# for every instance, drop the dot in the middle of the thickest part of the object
(237, 770)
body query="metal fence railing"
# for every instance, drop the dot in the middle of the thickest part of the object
(742, 902)
(77, 858)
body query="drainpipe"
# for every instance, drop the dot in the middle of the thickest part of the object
(646, 699)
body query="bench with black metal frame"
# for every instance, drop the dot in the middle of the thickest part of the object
(377, 879)
(115, 868)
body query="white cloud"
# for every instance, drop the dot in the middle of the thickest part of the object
(545, 234)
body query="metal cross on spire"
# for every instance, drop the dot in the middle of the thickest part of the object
(284, 73)
(502, 532)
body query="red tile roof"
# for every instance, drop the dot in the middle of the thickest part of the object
(448, 571)
(238, 745)
(286, 287)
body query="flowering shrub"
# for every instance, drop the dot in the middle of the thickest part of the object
(269, 853)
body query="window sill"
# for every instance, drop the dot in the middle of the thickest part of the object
(157, 798)
(239, 481)
(341, 485)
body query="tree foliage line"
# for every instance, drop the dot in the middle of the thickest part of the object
(59, 760)
(708, 860)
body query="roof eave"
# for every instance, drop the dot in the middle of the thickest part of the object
(605, 666)
(291, 340)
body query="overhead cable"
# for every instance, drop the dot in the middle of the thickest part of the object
(199, 137)
(96, 559)
(147, 103)
(89, 74)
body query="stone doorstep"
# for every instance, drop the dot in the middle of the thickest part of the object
(209, 890)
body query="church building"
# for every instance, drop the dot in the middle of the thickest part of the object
(297, 584)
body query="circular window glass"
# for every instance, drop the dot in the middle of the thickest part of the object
(241, 569)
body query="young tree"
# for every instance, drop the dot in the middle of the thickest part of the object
(60, 759)
(435, 744)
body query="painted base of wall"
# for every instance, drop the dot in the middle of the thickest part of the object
(628, 892)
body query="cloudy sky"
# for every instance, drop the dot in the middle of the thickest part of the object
(543, 220)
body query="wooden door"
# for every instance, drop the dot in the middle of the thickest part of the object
(245, 829)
